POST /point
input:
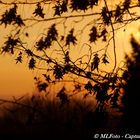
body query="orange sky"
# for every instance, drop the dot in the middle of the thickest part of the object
(17, 79)
(14, 79)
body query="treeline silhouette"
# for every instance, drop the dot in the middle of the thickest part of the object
(39, 117)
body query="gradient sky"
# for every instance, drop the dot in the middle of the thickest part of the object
(17, 79)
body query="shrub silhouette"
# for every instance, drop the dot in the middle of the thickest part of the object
(37, 116)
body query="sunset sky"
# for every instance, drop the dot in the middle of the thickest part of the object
(17, 79)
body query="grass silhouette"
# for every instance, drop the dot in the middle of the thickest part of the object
(38, 116)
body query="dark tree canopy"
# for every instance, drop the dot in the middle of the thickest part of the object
(70, 41)
(131, 117)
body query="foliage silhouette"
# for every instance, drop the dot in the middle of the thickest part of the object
(39, 116)
(131, 118)
(59, 50)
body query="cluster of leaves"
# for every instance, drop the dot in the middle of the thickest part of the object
(60, 7)
(39, 11)
(46, 42)
(96, 61)
(102, 92)
(10, 44)
(58, 72)
(106, 15)
(11, 17)
(82, 5)
(120, 11)
(94, 34)
(117, 14)
(76, 5)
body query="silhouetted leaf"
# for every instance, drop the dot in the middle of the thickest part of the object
(18, 20)
(29, 52)
(47, 77)
(9, 16)
(95, 62)
(19, 58)
(60, 7)
(89, 86)
(79, 5)
(118, 14)
(52, 33)
(58, 72)
(126, 4)
(46, 42)
(92, 3)
(103, 33)
(106, 15)
(39, 11)
(40, 44)
(32, 63)
(57, 10)
(42, 86)
(104, 59)
(10, 43)
(93, 34)
(71, 38)
(88, 74)
(64, 6)
(66, 57)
